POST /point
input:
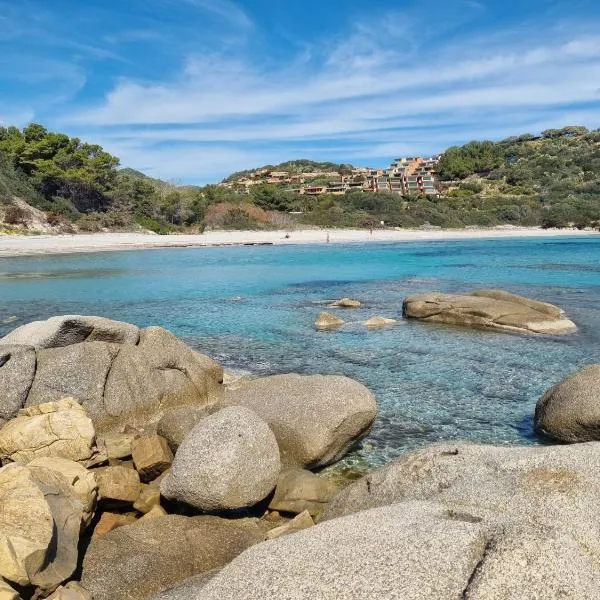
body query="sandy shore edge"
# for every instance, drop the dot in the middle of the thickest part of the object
(22, 245)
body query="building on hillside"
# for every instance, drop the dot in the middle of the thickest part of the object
(406, 176)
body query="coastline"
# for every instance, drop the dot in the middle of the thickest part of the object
(31, 245)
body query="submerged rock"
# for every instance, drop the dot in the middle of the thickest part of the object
(378, 322)
(346, 303)
(493, 309)
(120, 374)
(136, 561)
(327, 321)
(228, 461)
(316, 418)
(570, 411)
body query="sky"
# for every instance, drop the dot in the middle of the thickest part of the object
(192, 90)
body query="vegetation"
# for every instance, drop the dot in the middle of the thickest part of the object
(552, 180)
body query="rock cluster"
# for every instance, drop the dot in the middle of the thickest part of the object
(105, 429)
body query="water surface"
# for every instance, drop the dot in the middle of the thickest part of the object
(252, 308)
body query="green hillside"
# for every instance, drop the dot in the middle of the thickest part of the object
(550, 180)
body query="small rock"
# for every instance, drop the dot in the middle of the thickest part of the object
(377, 322)
(57, 429)
(118, 484)
(301, 521)
(327, 321)
(299, 490)
(117, 445)
(154, 513)
(71, 591)
(149, 498)
(151, 456)
(346, 303)
(109, 521)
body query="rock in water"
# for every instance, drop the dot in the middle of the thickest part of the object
(228, 461)
(135, 561)
(570, 411)
(326, 321)
(316, 418)
(493, 309)
(55, 429)
(346, 303)
(378, 322)
(120, 374)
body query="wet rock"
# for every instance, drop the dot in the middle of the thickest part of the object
(228, 461)
(315, 418)
(346, 303)
(378, 322)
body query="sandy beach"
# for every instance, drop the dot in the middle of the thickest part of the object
(22, 245)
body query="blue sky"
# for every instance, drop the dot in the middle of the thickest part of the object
(190, 90)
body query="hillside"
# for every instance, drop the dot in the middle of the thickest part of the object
(51, 182)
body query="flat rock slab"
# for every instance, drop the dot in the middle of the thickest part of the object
(494, 309)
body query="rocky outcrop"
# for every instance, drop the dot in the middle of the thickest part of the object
(56, 429)
(299, 490)
(230, 460)
(410, 551)
(537, 504)
(316, 419)
(136, 561)
(570, 411)
(120, 374)
(326, 321)
(494, 309)
(40, 522)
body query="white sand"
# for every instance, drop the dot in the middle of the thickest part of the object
(22, 245)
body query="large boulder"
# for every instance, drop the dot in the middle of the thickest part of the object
(411, 551)
(72, 329)
(55, 429)
(316, 418)
(230, 460)
(570, 411)
(40, 522)
(122, 376)
(17, 370)
(176, 423)
(539, 504)
(494, 309)
(136, 561)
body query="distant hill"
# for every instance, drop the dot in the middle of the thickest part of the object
(294, 167)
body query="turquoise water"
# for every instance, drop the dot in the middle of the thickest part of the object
(252, 308)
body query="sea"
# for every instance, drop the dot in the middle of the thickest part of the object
(252, 308)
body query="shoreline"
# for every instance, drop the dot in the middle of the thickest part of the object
(33, 245)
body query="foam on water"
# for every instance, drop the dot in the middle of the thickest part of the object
(252, 308)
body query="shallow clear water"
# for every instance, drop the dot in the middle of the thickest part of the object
(252, 308)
